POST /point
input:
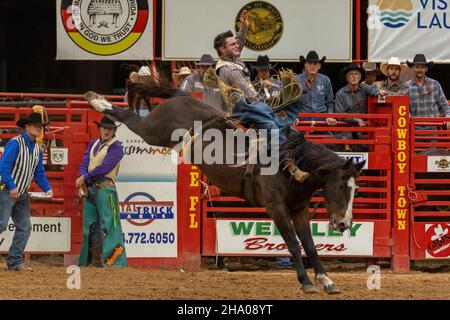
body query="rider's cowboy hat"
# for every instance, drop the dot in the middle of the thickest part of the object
(393, 61)
(352, 66)
(206, 60)
(262, 63)
(420, 59)
(34, 118)
(312, 56)
(107, 123)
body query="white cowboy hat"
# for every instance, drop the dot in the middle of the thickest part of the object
(144, 71)
(393, 61)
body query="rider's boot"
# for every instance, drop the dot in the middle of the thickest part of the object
(295, 171)
(97, 101)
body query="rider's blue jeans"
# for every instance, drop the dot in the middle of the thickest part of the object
(264, 118)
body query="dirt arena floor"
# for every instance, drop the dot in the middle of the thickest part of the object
(48, 281)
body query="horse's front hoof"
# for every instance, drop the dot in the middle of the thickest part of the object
(331, 289)
(97, 101)
(309, 289)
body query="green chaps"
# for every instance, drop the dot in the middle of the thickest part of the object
(106, 209)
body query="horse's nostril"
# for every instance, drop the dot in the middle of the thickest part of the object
(341, 226)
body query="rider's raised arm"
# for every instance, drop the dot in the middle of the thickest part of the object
(243, 28)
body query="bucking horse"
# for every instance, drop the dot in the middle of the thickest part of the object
(286, 200)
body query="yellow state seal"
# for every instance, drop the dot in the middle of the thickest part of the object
(265, 25)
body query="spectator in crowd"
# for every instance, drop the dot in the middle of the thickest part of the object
(182, 74)
(143, 75)
(22, 160)
(196, 83)
(317, 94)
(234, 81)
(426, 96)
(393, 69)
(353, 97)
(266, 86)
(370, 72)
(102, 232)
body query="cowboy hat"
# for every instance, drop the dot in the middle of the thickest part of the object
(393, 61)
(143, 73)
(34, 117)
(262, 63)
(184, 71)
(107, 123)
(312, 56)
(206, 60)
(369, 66)
(420, 59)
(350, 67)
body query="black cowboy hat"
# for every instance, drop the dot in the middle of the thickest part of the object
(206, 60)
(33, 117)
(262, 62)
(352, 66)
(312, 56)
(420, 59)
(107, 123)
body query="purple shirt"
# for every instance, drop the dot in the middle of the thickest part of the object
(112, 158)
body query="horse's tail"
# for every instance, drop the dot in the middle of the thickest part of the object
(139, 92)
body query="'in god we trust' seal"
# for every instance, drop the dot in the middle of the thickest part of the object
(265, 25)
(104, 27)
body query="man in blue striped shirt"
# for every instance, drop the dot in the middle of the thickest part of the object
(21, 161)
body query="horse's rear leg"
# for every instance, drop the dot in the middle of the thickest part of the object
(303, 230)
(284, 225)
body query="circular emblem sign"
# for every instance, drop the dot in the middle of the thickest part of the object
(265, 25)
(438, 237)
(104, 27)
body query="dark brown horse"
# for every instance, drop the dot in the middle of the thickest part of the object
(285, 200)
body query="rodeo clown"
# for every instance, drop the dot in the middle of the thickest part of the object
(102, 232)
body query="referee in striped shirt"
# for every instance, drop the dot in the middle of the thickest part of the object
(21, 161)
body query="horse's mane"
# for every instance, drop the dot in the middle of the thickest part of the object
(150, 88)
(310, 156)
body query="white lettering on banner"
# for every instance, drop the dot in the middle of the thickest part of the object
(393, 22)
(357, 157)
(261, 237)
(47, 235)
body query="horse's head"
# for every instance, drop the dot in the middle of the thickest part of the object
(339, 190)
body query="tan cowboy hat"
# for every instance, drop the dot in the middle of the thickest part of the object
(369, 66)
(393, 61)
(184, 71)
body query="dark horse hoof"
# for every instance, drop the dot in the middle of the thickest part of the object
(331, 289)
(309, 289)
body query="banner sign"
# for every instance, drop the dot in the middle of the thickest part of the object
(47, 235)
(261, 237)
(402, 28)
(147, 189)
(282, 29)
(104, 30)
